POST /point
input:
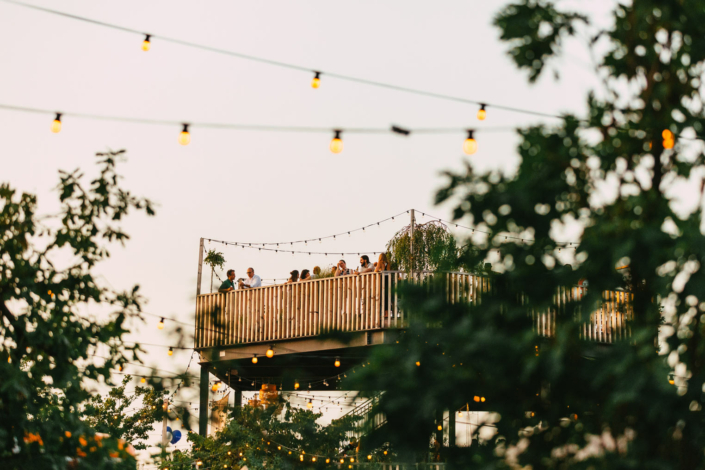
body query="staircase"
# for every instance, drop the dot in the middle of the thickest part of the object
(370, 421)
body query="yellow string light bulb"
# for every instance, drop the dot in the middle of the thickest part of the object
(184, 136)
(418, 364)
(270, 352)
(316, 82)
(385, 452)
(309, 405)
(327, 460)
(482, 112)
(254, 359)
(336, 145)
(470, 144)
(440, 428)
(171, 351)
(313, 459)
(369, 457)
(337, 362)
(143, 380)
(668, 140)
(296, 385)
(146, 44)
(160, 325)
(56, 124)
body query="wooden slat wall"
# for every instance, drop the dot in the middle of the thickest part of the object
(367, 302)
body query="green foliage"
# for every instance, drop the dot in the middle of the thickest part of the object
(214, 259)
(112, 415)
(434, 248)
(47, 347)
(610, 185)
(253, 434)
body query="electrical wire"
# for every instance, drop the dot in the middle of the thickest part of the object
(276, 63)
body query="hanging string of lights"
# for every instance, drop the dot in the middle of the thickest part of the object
(184, 137)
(146, 46)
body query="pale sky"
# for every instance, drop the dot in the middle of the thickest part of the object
(261, 186)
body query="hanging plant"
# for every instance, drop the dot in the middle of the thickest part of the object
(214, 259)
(435, 248)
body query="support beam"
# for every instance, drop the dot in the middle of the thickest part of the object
(411, 244)
(451, 428)
(203, 403)
(238, 399)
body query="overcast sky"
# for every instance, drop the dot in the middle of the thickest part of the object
(261, 186)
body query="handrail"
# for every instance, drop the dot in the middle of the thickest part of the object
(367, 302)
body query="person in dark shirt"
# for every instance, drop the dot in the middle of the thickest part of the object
(228, 284)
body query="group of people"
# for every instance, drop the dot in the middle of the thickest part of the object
(340, 269)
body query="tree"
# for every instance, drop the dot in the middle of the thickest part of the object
(48, 344)
(214, 259)
(434, 248)
(611, 180)
(112, 415)
(268, 437)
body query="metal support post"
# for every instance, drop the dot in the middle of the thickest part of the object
(203, 403)
(411, 245)
(451, 428)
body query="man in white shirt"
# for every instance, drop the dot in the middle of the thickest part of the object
(251, 281)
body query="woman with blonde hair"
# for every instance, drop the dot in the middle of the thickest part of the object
(382, 263)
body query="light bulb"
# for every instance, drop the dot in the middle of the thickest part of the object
(296, 385)
(56, 124)
(418, 364)
(254, 359)
(270, 352)
(171, 351)
(160, 325)
(460, 415)
(143, 380)
(482, 112)
(184, 136)
(336, 145)
(369, 457)
(316, 82)
(146, 44)
(309, 405)
(337, 362)
(470, 144)
(440, 428)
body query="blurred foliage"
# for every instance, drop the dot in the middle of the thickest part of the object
(48, 343)
(115, 415)
(272, 437)
(589, 196)
(434, 248)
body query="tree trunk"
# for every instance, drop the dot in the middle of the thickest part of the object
(211, 280)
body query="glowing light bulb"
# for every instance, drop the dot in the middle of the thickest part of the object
(171, 351)
(160, 325)
(270, 352)
(470, 144)
(336, 145)
(184, 136)
(327, 460)
(146, 44)
(482, 112)
(254, 359)
(296, 385)
(313, 459)
(668, 140)
(369, 457)
(309, 405)
(56, 124)
(316, 82)
(418, 364)
(337, 362)
(440, 428)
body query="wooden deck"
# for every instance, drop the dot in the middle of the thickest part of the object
(363, 303)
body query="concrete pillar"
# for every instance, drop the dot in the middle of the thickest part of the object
(451, 428)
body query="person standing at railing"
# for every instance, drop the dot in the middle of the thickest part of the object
(316, 272)
(228, 284)
(365, 265)
(252, 280)
(305, 275)
(294, 277)
(382, 263)
(342, 269)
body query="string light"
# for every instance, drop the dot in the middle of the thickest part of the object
(143, 380)
(146, 44)
(296, 385)
(160, 325)
(56, 124)
(316, 82)
(309, 405)
(270, 352)
(337, 362)
(254, 359)
(336, 145)
(171, 351)
(470, 144)
(482, 112)
(185, 136)
(668, 140)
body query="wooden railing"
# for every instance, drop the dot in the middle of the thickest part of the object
(362, 303)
